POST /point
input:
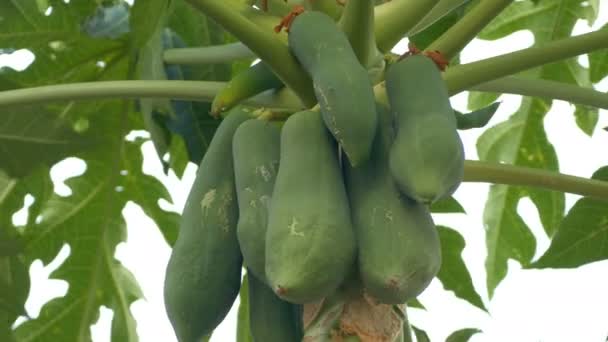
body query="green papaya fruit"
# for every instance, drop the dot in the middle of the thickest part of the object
(398, 245)
(427, 157)
(310, 245)
(255, 150)
(204, 271)
(271, 319)
(342, 85)
(244, 85)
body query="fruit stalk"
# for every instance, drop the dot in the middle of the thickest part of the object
(397, 18)
(464, 31)
(264, 43)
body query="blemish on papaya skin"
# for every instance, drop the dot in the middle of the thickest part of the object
(262, 170)
(292, 228)
(265, 200)
(281, 291)
(222, 212)
(388, 214)
(208, 200)
(323, 99)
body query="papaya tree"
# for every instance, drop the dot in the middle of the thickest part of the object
(324, 156)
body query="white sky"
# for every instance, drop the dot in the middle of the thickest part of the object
(528, 306)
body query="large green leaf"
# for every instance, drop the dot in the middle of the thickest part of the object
(14, 288)
(424, 38)
(12, 194)
(147, 17)
(421, 335)
(197, 30)
(150, 66)
(454, 274)
(521, 140)
(447, 205)
(193, 128)
(190, 121)
(476, 119)
(108, 22)
(581, 236)
(90, 222)
(586, 118)
(63, 53)
(25, 25)
(30, 137)
(550, 20)
(598, 64)
(462, 335)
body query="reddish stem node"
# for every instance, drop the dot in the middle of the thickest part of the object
(288, 19)
(435, 55)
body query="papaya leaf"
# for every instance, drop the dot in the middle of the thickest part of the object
(25, 25)
(550, 20)
(581, 236)
(197, 30)
(38, 185)
(453, 273)
(478, 100)
(521, 140)
(425, 37)
(108, 22)
(14, 288)
(26, 132)
(147, 17)
(586, 118)
(415, 303)
(6, 333)
(150, 66)
(598, 64)
(447, 205)
(63, 53)
(421, 335)
(476, 119)
(90, 222)
(462, 335)
(192, 126)
(11, 243)
(243, 332)
(178, 155)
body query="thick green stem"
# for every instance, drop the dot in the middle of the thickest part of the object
(357, 22)
(546, 89)
(478, 171)
(465, 30)
(396, 18)
(263, 43)
(275, 7)
(465, 76)
(329, 7)
(226, 53)
(443, 8)
(178, 90)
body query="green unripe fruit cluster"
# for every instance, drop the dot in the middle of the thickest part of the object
(304, 220)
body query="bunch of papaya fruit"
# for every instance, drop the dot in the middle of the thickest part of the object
(334, 197)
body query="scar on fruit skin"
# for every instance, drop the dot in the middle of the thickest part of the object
(207, 200)
(292, 228)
